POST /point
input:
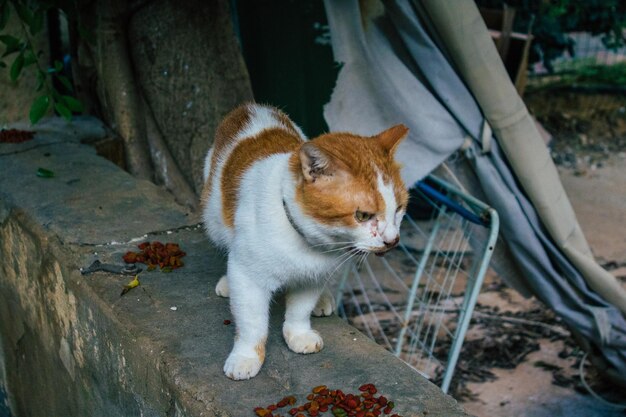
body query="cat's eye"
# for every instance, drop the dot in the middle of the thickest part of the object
(362, 216)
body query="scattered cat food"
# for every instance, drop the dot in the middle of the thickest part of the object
(165, 256)
(322, 399)
(227, 322)
(15, 136)
(44, 173)
(134, 283)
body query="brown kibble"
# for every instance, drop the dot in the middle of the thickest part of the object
(156, 253)
(321, 399)
(352, 403)
(319, 389)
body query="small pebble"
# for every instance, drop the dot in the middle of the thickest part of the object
(173, 308)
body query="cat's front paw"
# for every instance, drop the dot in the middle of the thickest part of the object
(303, 342)
(239, 367)
(221, 289)
(325, 305)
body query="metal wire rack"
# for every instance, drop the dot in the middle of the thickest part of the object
(417, 301)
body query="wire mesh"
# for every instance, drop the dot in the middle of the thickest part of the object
(416, 301)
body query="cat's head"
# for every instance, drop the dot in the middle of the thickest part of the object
(350, 190)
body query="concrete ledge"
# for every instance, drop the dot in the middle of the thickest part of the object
(71, 346)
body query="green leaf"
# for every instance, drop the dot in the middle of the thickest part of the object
(44, 173)
(72, 104)
(58, 66)
(9, 41)
(17, 66)
(66, 82)
(12, 44)
(39, 108)
(4, 14)
(63, 110)
(29, 59)
(41, 79)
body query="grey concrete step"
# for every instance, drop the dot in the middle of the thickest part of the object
(72, 346)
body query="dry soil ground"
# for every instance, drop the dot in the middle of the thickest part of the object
(590, 152)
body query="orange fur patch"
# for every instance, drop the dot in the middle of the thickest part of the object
(267, 143)
(260, 350)
(232, 124)
(355, 162)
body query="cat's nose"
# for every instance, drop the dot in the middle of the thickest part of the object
(390, 244)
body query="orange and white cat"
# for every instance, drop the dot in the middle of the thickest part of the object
(289, 211)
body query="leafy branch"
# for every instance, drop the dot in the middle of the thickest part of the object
(31, 18)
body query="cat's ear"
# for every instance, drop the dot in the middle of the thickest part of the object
(391, 138)
(314, 161)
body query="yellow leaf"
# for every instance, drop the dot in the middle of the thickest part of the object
(130, 285)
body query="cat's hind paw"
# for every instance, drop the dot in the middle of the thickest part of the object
(239, 367)
(325, 305)
(306, 342)
(221, 289)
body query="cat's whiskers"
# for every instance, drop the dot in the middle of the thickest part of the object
(347, 256)
(362, 259)
(338, 249)
(332, 243)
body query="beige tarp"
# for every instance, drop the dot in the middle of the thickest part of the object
(463, 33)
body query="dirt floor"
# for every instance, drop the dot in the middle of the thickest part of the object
(531, 369)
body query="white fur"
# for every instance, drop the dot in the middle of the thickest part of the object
(207, 164)
(385, 227)
(388, 230)
(261, 118)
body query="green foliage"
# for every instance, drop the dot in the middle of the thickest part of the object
(552, 20)
(19, 50)
(584, 73)
(39, 108)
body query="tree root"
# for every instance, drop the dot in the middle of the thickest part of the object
(166, 170)
(124, 107)
(121, 97)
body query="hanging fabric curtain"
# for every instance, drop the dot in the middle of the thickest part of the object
(432, 66)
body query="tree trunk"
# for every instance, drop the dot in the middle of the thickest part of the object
(188, 63)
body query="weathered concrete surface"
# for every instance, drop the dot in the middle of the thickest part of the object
(73, 347)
